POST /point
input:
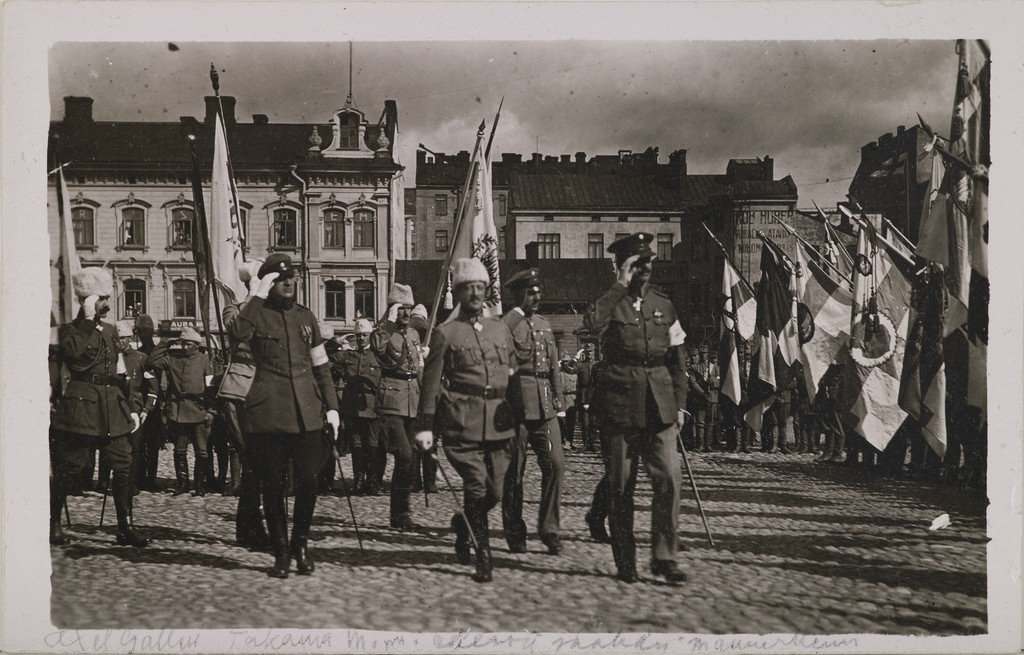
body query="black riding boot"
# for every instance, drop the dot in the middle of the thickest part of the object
(58, 496)
(181, 473)
(126, 534)
(429, 473)
(277, 525)
(477, 515)
(202, 468)
(235, 467)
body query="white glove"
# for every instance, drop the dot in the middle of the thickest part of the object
(424, 351)
(89, 307)
(424, 440)
(137, 421)
(560, 414)
(586, 406)
(265, 283)
(624, 274)
(681, 417)
(334, 420)
(393, 312)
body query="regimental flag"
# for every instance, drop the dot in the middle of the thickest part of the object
(823, 312)
(881, 297)
(738, 307)
(201, 245)
(477, 236)
(923, 385)
(69, 262)
(836, 252)
(777, 343)
(226, 230)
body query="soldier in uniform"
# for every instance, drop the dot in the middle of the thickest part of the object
(712, 433)
(187, 372)
(583, 367)
(640, 397)
(153, 424)
(359, 378)
(567, 424)
(535, 392)
(697, 400)
(141, 383)
(98, 407)
(465, 381)
(398, 350)
(291, 401)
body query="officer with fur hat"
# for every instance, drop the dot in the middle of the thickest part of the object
(187, 372)
(535, 392)
(640, 398)
(97, 407)
(358, 381)
(465, 379)
(398, 350)
(286, 411)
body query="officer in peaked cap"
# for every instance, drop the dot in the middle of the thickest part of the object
(279, 263)
(535, 392)
(640, 397)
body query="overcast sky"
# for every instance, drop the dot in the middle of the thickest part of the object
(811, 105)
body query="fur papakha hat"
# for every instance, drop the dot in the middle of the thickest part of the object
(363, 326)
(92, 281)
(401, 294)
(468, 269)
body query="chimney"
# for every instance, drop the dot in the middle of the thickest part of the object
(77, 109)
(581, 163)
(532, 253)
(536, 157)
(260, 119)
(566, 159)
(768, 167)
(228, 102)
(391, 119)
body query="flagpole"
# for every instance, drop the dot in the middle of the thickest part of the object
(211, 280)
(460, 213)
(902, 237)
(793, 232)
(728, 258)
(862, 221)
(494, 127)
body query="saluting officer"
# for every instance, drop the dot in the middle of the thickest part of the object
(291, 400)
(473, 355)
(97, 408)
(398, 350)
(359, 382)
(535, 392)
(640, 397)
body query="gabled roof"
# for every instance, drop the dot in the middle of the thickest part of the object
(697, 188)
(453, 174)
(591, 192)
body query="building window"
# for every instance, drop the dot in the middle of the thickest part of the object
(364, 299)
(502, 205)
(595, 246)
(441, 204)
(84, 226)
(285, 228)
(623, 218)
(550, 246)
(335, 299)
(441, 240)
(665, 247)
(348, 134)
(184, 299)
(134, 298)
(133, 227)
(182, 222)
(334, 228)
(596, 218)
(362, 229)
(549, 217)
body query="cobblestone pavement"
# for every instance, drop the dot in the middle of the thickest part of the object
(801, 547)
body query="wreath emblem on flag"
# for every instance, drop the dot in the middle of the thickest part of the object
(879, 348)
(805, 323)
(863, 265)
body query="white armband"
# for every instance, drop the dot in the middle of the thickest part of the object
(121, 368)
(208, 379)
(318, 354)
(676, 336)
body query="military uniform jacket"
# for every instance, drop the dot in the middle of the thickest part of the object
(97, 401)
(584, 371)
(292, 387)
(398, 352)
(143, 385)
(359, 381)
(184, 377)
(465, 381)
(641, 357)
(535, 391)
(697, 384)
(714, 383)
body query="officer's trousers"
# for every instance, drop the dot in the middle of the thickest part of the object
(482, 465)
(395, 432)
(658, 447)
(544, 437)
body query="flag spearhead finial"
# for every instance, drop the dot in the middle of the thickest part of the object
(214, 78)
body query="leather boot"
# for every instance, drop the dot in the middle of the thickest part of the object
(278, 527)
(235, 467)
(478, 520)
(303, 560)
(839, 448)
(58, 496)
(201, 468)
(429, 473)
(126, 534)
(181, 473)
(462, 550)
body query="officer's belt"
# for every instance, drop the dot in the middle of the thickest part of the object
(402, 375)
(534, 374)
(487, 393)
(97, 378)
(646, 362)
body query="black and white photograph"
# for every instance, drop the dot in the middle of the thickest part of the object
(506, 327)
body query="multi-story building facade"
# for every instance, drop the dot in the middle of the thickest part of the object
(328, 194)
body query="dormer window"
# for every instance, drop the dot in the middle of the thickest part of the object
(348, 133)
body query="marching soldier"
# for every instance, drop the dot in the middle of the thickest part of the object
(285, 413)
(97, 407)
(640, 399)
(583, 367)
(465, 380)
(359, 382)
(187, 372)
(398, 350)
(535, 392)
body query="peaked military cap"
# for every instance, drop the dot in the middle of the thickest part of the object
(279, 262)
(524, 279)
(635, 244)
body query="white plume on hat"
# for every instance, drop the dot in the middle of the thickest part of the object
(401, 294)
(363, 326)
(468, 269)
(92, 281)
